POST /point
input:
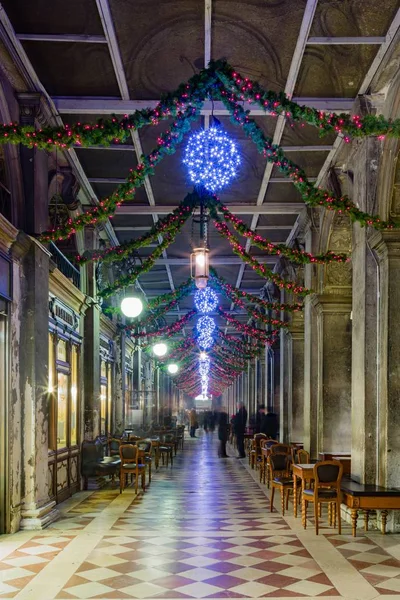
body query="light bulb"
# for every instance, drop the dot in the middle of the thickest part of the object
(160, 349)
(201, 259)
(131, 307)
(203, 355)
(172, 368)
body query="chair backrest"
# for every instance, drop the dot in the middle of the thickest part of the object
(280, 449)
(169, 438)
(303, 457)
(258, 438)
(328, 473)
(114, 444)
(128, 453)
(279, 462)
(145, 446)
(270, 443)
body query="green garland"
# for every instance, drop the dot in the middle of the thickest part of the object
(311, 195)
(167, 144)
(238, 296)
(184, 105)
(280, 104)
(168, 331)
(171, 224)
(147, 264)
(255, 332)
(298, 256)
(262, 270)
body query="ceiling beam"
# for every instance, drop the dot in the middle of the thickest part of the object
(118, 180)
(297, 58)
(130, 148)
(392, 31)
(343, 41)
(109, 31)
(65, 37)
(103, 106)
(216, 260)
(19, 56)
(259, 228)
(150, 293)
(270, 208)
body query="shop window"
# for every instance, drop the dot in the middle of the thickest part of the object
(63, 389)
(105, 397)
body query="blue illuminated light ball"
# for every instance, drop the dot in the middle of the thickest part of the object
(205, 329)
(212, 158)
(205, 300)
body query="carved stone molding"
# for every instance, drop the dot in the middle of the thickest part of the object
(8, 234)
(34, 108)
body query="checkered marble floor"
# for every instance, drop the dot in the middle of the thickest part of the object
(202, 530)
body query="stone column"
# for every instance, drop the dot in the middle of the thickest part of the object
(388, 443)
(91, 345)
(119, 393)
(328, 393)
(34, 163)
(296, 396)
(285, 384)
(37, 511)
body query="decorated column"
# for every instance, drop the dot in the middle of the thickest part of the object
(37, 511)
(91, 345)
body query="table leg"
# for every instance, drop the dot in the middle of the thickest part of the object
(303, 506)
(295, 496)
(384, 515)
(354, 517)
(366, 519)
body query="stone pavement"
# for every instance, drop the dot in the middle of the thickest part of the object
(202, 530)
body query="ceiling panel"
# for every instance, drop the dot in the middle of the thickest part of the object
(70, 69)
(166, 40)
(40, 16)
(353, 17)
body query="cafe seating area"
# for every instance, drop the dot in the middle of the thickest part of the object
(323, 482)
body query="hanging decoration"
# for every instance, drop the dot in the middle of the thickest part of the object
(205, 301)
(205, 329)
(212, 158)
(252, 262)
(297, 256)
(240, 298)
(168, 331)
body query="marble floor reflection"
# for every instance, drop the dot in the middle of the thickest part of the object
(202, 530)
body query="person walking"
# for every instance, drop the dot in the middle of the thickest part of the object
(270, 424)
(223, 425)
(240, 427)
(193, 422)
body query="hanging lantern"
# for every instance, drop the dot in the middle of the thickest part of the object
(200, 267)
(131, 307)
(160, 349)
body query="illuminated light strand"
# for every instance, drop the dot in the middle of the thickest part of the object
(205, 300)
(211, 158)
(262, 270)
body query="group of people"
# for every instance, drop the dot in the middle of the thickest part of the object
(266, 422)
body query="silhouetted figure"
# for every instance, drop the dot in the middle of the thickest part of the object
(223, 425)
(240, 428)
(270, 425)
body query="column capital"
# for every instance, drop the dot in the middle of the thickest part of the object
(331, 303)
(34, 107)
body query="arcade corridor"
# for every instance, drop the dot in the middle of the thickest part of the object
(202, 530)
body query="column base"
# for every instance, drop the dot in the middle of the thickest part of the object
(40, 517)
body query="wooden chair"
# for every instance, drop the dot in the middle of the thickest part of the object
(264, 469)
(300, 457)
(278, 448)
(145, 451)
(113, 446)
(166, 448)
(130, 465)
(180, 436)
(279, 467)
(255, 450)
(327, 480)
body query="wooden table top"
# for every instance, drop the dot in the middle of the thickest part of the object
(303, 469)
